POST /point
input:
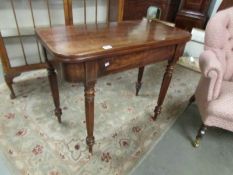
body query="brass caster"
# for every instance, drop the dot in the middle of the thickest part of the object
(196, 143)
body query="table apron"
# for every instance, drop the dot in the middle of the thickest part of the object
(75, 72)
(120, 63)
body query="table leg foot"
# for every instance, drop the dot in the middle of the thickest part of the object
(157, 111)
(139, 81)
(90, 142)
(58, 114)
(138, 87)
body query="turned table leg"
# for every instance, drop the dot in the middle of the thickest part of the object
(139, 81)
(167, 79)
(55, 92)
(52, 76)
(163, 90)
(89, 83)
(89, 109)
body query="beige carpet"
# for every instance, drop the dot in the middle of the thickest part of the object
(34, 142)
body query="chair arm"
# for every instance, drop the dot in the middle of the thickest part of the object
(212, 69)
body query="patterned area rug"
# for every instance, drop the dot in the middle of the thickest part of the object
(36, 144)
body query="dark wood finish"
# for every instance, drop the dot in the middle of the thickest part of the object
(225, 4)
(6, 66)
(139, 81)
(167, 79)
(89, 91)
(69, 44)
(82, 47)
(192, 13)
(3, 55)
(68, 12)
(168, 8)
(121, 4)
(52, 76)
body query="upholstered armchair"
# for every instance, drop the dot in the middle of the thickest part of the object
(214, 94)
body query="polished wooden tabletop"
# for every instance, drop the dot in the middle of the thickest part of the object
(84, 42)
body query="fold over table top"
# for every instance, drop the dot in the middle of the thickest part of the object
(85, 42)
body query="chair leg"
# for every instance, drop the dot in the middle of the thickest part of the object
(200, 134)
(9, 82)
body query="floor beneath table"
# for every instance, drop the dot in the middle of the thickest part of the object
(174, 154)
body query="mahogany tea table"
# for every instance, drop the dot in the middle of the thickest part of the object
(87, 52)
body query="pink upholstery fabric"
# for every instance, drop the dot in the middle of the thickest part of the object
(214, 93)
(211, 68)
